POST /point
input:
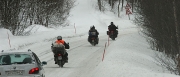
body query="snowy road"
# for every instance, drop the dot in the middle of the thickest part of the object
(125, 57)
(128, 56)
(83, 57)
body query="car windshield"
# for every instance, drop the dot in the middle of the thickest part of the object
(15, 59)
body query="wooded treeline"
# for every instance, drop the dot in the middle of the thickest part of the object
(160, 22)
(16, 15)
(117, 6)
(114, 5)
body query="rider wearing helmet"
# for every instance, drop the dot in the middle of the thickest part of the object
(66, 46)
(112, 27)
(93, 33)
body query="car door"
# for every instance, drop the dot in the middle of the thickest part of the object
(41, 70)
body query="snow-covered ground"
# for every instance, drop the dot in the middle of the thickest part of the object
(128, 56)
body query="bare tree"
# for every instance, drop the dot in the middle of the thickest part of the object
(16, 15)
(132, 4)
(122, 5)
(119, 8)
(9, 14)
(99, 4)
(177, 33)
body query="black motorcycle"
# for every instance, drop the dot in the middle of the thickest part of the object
(112, 34)
(93, 41)
(60, 60)
(59, 54)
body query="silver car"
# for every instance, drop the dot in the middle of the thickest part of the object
(21, 64)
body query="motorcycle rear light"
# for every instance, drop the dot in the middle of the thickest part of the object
(59, 54)
(34, 71)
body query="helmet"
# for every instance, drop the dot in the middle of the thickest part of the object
(59, 38)
(111, 22)
(93, 27)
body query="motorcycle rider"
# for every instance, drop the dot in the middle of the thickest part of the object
(59, 42)
(93, 33)
(112, 27)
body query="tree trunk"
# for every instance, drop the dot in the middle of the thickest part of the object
(99, 4)
(132, 3)
(177, 35)
(46, 22)
(119, 8)
(176, 25)
(122, 5)
(109, 2)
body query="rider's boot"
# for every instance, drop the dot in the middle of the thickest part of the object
(89, 40)
(66, 60)
(97, 40)
(55, 60)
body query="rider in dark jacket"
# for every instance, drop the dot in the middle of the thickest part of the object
(112, 27)
(93, 33)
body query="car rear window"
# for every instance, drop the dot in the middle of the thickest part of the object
(15, 59)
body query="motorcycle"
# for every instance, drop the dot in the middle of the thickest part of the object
(112, 34)
(93, 41)
(60, 60)
(58, 54)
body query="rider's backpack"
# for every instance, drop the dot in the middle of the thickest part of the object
(58, 48)
(93, 33)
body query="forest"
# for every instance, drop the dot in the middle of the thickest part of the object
(17, 15)
(158, 21)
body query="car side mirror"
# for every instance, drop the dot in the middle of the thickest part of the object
(44, 63)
